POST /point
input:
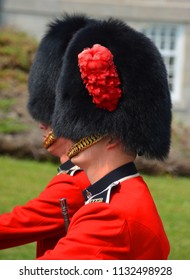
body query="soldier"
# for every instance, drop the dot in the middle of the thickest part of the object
(113, 102)
(41, 219)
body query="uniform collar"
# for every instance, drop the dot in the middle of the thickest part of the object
(65, 166)
(68, 168)
(100, 190)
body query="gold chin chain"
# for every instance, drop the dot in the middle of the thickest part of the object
(49, 140)
(83, 144)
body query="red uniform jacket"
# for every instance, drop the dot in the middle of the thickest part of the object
(41, 218)
(119, 221)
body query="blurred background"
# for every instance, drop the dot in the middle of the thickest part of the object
(22, 25)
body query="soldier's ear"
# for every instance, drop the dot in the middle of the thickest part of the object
(112, 142)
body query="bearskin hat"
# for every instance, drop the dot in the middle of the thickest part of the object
(46, 67)
(138, 110)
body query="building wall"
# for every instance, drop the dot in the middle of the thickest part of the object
(33, 16)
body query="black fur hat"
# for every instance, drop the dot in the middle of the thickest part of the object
(46, 67)
(142, 118)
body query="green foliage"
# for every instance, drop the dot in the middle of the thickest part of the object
(5, 104)
(21, 180)
(16, 49)
(10, 125)
(16, 53)
(10, 78)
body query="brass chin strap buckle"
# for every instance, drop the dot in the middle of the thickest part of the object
(83, 144)
(49, 140)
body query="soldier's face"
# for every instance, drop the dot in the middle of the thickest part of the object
(45, 128)
(59, 147)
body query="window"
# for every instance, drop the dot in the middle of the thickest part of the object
(169, 39)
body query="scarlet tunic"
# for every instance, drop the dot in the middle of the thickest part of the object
(41, 218)
(119, 221)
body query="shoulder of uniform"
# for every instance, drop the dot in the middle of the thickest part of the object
(71, 171)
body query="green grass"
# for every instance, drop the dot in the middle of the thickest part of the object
(21, 180)
(172, 197)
